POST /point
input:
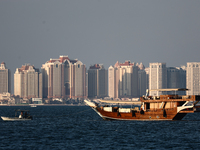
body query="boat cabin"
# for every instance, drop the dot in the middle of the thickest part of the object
(167, 101)
(24, 114)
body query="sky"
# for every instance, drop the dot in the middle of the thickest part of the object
(99, 31)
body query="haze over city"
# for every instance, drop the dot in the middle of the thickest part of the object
(161, 34)
(99, 32)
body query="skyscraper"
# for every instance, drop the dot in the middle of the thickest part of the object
(147, 77)
(193, 78)
(157, 77)
(28, 82)
(64, 78)
(176, 78)
(5, 79)
(97, 81)
(141, 80)
(123, 80)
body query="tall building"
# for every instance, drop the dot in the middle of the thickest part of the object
(147, 77)
(113, 81)
(64, 78)
(176, 78)
(157, 77)
(193, 78)
(97, 81)
(5, 79)
(28, 82)
(141, 80)
(123, 80)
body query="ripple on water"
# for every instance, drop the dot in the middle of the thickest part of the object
(63, 128)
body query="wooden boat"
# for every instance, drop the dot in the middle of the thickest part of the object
(163, 107)
(24, 116)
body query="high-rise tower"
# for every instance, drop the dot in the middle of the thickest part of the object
(157, 77)
(28, 82)
(5, 79)
(64, 78)
(97, 81)
(123, 80)
(176, 78)
(193, 78)
(142, 77)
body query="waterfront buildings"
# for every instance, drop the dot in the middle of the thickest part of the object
(64, 78)
(123, 80)
(157, 77)
(176, 78)
(193, 78)
(147, 77)
(28, 82)
(161, 77)
(97, 81)
(5, 79)
(142, 84)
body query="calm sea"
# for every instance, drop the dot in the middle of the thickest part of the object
(79, 127)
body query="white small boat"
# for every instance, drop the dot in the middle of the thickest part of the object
(14, 119)
(24, 116)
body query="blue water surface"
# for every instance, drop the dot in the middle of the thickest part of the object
(79, 127)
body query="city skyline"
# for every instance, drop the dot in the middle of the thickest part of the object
(67, 78)
(87, 67)
(99, 31)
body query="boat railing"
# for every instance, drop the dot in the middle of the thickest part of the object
(167, 97)
(159, 109)
(117, 109)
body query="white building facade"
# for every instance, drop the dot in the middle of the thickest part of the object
(157, 77)
(193, 78)
(123, 80)
(64, 78)
(28, 82)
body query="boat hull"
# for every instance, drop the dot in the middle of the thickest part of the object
(14, 119)
(160, 114)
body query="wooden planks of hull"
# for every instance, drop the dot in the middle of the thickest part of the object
(160, 114)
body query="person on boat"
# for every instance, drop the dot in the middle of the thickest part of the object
(21, 115)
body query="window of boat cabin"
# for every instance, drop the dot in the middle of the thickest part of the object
(147, 105)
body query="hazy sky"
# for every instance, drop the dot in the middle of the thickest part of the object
(99, 31)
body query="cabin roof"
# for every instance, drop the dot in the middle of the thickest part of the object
(173, 89)
(120, 102)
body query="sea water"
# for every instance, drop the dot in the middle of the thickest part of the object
(79, 127)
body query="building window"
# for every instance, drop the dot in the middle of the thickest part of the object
(67, 66)
(56, 65)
